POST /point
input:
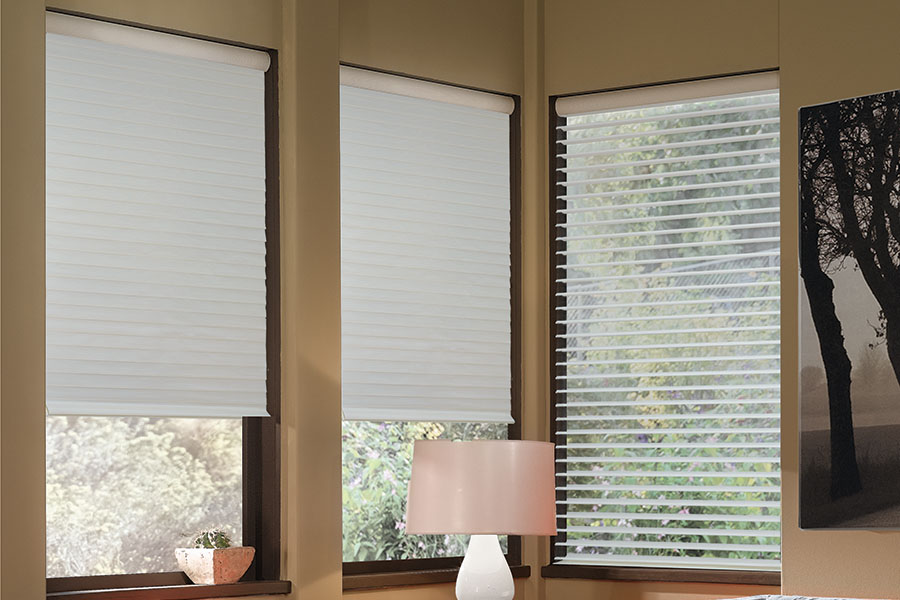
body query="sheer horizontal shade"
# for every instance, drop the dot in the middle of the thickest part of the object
(425, 251)
(155, 226)
(667, 326)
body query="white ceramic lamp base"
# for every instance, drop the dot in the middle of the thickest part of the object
(484, 574)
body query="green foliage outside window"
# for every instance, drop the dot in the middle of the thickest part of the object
(377, 458)
(124, 492)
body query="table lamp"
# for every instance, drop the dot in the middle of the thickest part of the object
(482, 488)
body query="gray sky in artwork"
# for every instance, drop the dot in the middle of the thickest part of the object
(874, 402)
(856, 307)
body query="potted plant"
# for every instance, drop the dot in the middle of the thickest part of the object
(212, 560)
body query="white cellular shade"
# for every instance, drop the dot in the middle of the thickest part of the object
(425, 259)
(667, 329)
(155, 233)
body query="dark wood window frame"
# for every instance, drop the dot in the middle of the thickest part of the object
(556, 231)
(391, 573)
(261, 459)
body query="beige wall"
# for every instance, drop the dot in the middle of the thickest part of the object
(596, 45)
(476, 43)
(21, 300)
(257, 22)
(311, 338)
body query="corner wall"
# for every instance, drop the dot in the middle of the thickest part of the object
(473, 43)
(597, 45)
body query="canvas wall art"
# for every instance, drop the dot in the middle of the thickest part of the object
(850, 313)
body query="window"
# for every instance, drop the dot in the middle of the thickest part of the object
(160, 232)
(666, 326)
(427, 300)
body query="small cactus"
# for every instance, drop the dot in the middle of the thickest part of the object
(212, 538)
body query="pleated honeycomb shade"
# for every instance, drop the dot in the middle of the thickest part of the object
(425, 253)
(155, 230)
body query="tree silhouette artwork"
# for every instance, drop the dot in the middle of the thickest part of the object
(850, 213)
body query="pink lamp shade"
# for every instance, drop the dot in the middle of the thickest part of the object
(482, 487)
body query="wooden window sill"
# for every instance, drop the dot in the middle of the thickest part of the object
(177, 592)
(368, 581)
(650, 574)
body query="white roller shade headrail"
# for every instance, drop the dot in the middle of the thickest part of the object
(155, 232)
(654, 95)
(425, 258)
(155, 41)
(425, 90)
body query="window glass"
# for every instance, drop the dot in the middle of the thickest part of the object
(124, 492)
(377, 458)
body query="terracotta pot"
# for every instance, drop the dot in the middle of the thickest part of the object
(214, 565)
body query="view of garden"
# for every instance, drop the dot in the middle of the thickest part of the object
(376, 469)
(124, 492)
